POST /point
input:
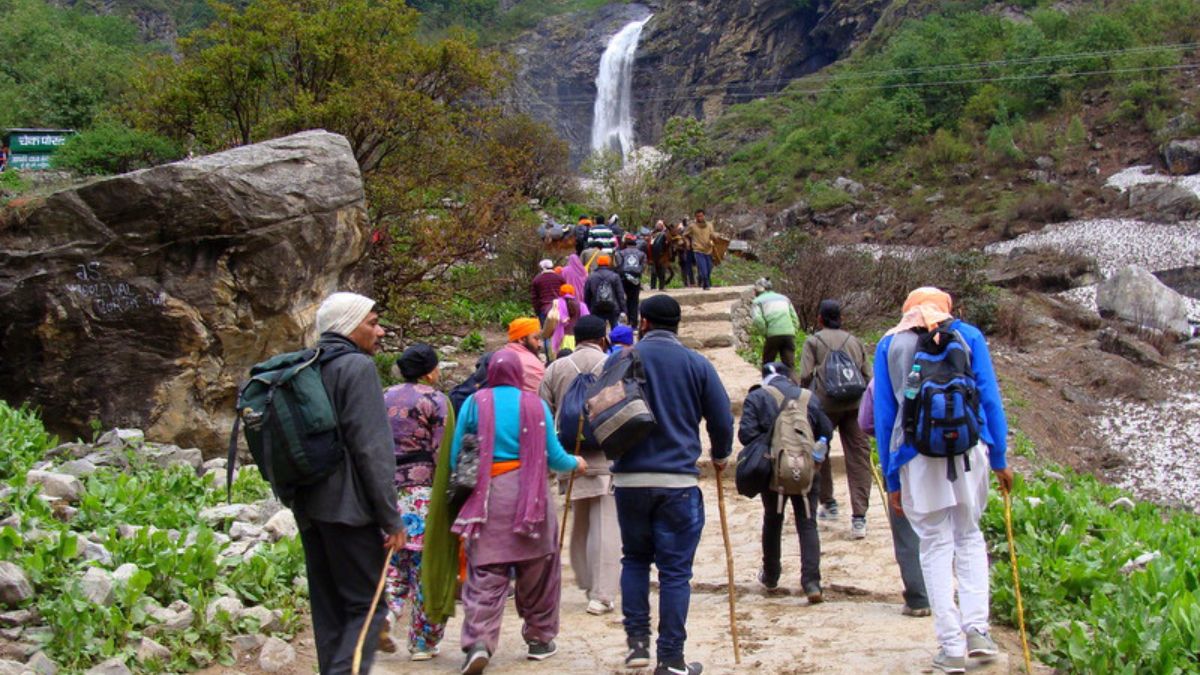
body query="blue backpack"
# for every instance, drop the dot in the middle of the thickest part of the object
(942, 420)
(571, 423)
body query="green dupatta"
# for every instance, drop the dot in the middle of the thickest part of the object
(439, 560)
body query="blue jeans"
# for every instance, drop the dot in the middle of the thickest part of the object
(660, 526)
(704, 270)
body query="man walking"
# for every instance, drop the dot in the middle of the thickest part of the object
(759, 413)
(659, 505)
(631, 262)
(524, 338)
(818, 350)
(775, 317)
(349, 521)
(604, 294)
(595, 539)
(943, 497)
(700, 234)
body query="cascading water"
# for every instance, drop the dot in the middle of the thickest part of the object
(612, 118)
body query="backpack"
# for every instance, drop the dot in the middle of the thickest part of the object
(792, 444)
(478, 379)
(617, 409)
(571, 421)
(942, 420)
(581, 235)
(605, 301)
(632, 266)
(289, 422)
(841, 376)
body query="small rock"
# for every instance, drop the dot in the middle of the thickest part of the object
(121, 438)
(14, 585)
(97, 553)
(236, 549)
(216, 515)
(38, 635)
(97, 586)
(228, 605)
(1130, 348)
(277, 656)
(849, 186)
(80, 468)
(179, 616)
(113, 666)
(18, 617)
(245, 531)
(216, 464)
(448, 350)
(1123, 502)
(1140, 562)
(1182, 157)
(268, 619)
(935, 198)
(1044, 163)
(718, 341)
(59, 485)
(149, 650)
(19, 651)
(42, 665)
(1076, 395)
(13, 521)
(282, 525)
(449, 365)
(108, 458)
(70, 450)
(124, 573)
(167, 456)
(11, 634)
(8, 667)
(246, 645)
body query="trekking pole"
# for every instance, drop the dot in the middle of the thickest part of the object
(1012, 556)
(882, 491)
(362, 634)
(737, 650)
(562, 532)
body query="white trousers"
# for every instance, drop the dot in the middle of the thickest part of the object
(596, 547)
(952, 547)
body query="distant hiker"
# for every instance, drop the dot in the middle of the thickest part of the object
(581, 233)
(525, 340)
(939, 479)
(700, 235)
(601, 237)
(349, 521)
(604, 293)
(687, 257)
(422, 423)
(775, 317)
(543, 290)
(508, 522)
(630, 263)
(574, 273)
(834, 363)
(595, 539)
(660, 252)
(759, 414)
(564, 313)
(905, 544)
(659, 505)
(620, 338)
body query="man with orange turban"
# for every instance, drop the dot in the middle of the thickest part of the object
(604, 293)
(525, 339)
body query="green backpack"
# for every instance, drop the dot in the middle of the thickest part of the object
(290, 424)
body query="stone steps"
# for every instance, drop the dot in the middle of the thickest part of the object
(690, 297)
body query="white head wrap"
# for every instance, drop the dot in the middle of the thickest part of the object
(546, 264)
(342, 312)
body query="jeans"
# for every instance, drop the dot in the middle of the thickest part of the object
(687, 265)
(907, 547)
(704, 265)
(660, 526)
(806, 527)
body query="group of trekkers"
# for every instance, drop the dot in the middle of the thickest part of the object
(458, 491)
(696, 248)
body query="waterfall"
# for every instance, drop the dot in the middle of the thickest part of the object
(612, 118)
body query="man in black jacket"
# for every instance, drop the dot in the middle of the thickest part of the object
(631, 262)
(349, 521)
(758, 423)
(604, 293)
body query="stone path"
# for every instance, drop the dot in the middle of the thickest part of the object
(858, 629)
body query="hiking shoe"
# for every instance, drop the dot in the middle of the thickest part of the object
(767, 583)
(949, 664)
(477, 660)
(387, 644)
(424, 654)
(828, 511)
(540, 651)
(915, 611)
(598, 607)
(639, 653)
(980, 644)
(813, 592)
(679, 668)
(858, 527)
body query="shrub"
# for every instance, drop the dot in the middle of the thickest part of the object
(1001, 145)
(111, 148)
(23, 440)
(1042, 207)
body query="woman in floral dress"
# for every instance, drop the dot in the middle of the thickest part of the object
(419, 415)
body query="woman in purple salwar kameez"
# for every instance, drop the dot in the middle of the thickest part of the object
(508, 522)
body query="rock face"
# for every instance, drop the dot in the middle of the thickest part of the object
(1163, 202)
(1137, 296)
(143, 299)
(1183, 157)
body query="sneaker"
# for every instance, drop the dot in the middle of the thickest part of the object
(477, 660)
(949, 664)
(679, 668)
(980, 644)
(424, 654)
(598, 607)
(813, 592)
(387, 644)
(639, 653)
(858, 528)
(915, 611)
(540, 651)
(767, 583)
(828, 511)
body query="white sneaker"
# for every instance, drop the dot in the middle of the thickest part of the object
(980, 644)
(424, 655)
(598, 607)
(858, 528)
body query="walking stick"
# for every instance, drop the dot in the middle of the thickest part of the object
(362, 634)
(882, 491)
(737, 650)
(1012, 556)
(562, 532)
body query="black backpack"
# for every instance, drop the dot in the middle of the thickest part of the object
(581, 236)
(474, 383)
(571, 421)
(840, 374)
(605, 301)
(942, 420)
(617, 410)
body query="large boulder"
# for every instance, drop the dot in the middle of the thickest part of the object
(143, 299)
(1163, 202)
(1182, 157)
(1137, 296)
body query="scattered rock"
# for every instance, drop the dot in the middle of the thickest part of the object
(245, 531)
(216, 515)
(277, 656)
(1044, 163)
(717, 341)
(124, 573)
(229, 605)
(448, 350)
(1077, 396)
(1123, 502)
(1128, 347)
(935, 198)
(1182, 157)
(849, 186)
(149, 650)
(217, 464)
(58, 485)
(796, 214)
(449, 365)
(691, 342)
(97, 586)
(166, 456)
(122, 438)
(113, 666)
(179, 616)
(10, 634)
(1042, 269)
(1179, 124)
(14, 585)
(108, 458)
(18, 617)
(282, 525)
(42, 665)
(8, 667)
(1163, 202)
(69, 451)
(94, 552)
(246, 645)
(80, 468)
(1137, 296)
(268, 619)
(1140, 562)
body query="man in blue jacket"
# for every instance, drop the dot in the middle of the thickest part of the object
(659, 505)
(943, 509)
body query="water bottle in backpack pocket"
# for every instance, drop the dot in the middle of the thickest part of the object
(942, 419)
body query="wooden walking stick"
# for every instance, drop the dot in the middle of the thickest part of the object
(1012, 556)
(562, 532)
(882, 492)
(737, 650)
(362, 634)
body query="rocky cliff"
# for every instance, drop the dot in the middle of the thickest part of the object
(142, 300)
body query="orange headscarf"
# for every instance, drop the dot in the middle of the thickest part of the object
(566, 289)
(604, 261)
(925, 308)
(523, 327)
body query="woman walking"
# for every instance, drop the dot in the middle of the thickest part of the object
(508, 521)
(419, 415)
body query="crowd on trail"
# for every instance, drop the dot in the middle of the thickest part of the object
(452, 498)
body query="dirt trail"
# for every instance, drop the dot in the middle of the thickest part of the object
(858, 629)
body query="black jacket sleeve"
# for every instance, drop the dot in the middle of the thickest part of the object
(367, 434)
(758, 416)
(819, 421)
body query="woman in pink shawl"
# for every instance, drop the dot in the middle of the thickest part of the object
(575, 273)
(570, 308)
(508, 522)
